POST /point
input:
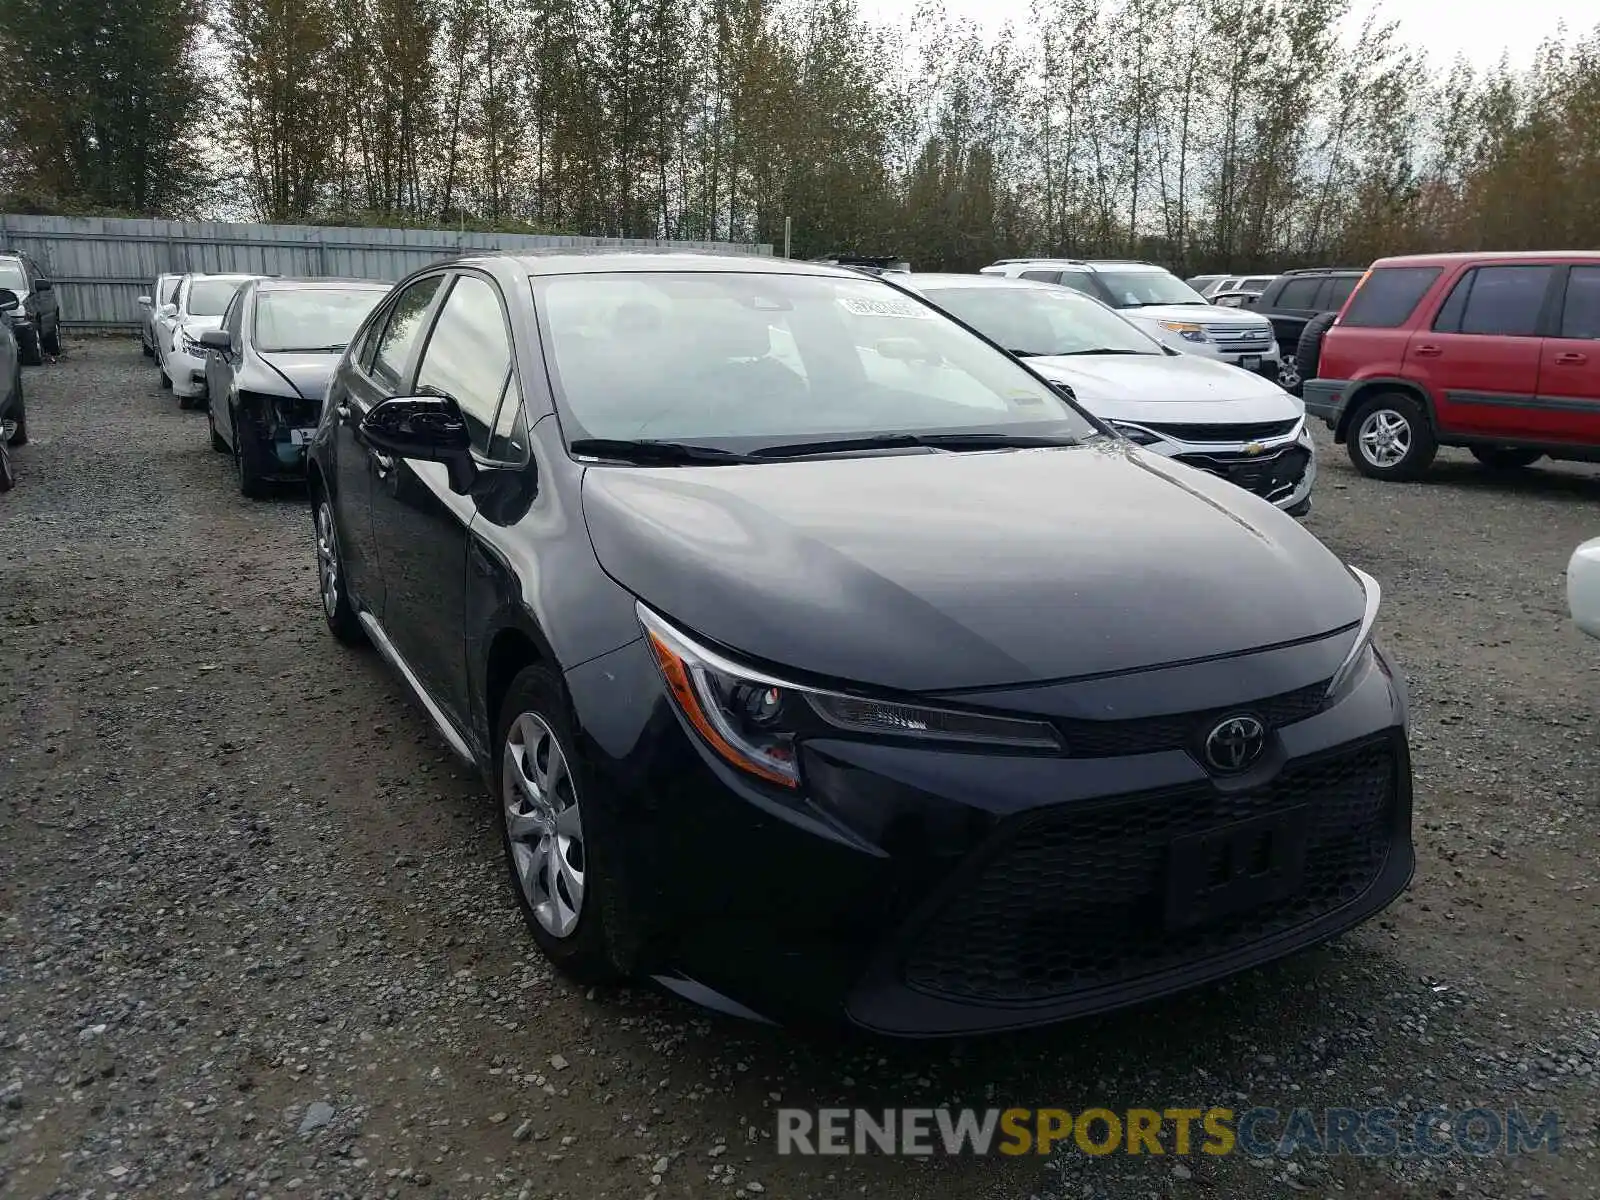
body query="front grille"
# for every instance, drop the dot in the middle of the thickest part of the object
(1252, 432)
(1235, 337)
(1267, 475)
(1178, 731)
(1073, 897)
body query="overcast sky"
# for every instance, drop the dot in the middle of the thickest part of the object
(1478, 29)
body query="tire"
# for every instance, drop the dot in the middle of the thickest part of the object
(18, 414)
(146, 349)
(578, 930)
(1505, 458)
(1300, 510)
(188, 402)
(337, 610)
(1398, 443)
(251, 485)
(8, 474)
(1288, 374)
(166, 380)
(217, 444)
(28, 349)
(1308, 350)
(52, 344)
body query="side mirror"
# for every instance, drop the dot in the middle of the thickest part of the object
(216, 339)
(8, 300)
(144, 301)
(426, 428)
(43, 285)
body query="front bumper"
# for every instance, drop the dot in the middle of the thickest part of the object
(276, 432)
(1281, 471)
(935, 892)
(187, 372)
(1325, 398)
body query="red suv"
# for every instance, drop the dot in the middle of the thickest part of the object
(1499, 353)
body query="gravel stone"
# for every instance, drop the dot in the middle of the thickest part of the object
(269, 881)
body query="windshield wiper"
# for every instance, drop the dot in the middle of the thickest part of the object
(906, 441)
(654, 453)
(1104, 350)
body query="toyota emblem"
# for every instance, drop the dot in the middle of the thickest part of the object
(1235, 743)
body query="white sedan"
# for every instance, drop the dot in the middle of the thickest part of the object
(1583, 587)
(1207, 414)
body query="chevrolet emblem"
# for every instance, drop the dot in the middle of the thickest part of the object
(1253, 448)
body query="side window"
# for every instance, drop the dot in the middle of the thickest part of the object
(1078, 281)
(401, 329)
(510, 440)
(1386, 298)
(1339, 289)
(1042, 276)
(1505, 301)
(230, 315)
(1448, 318)
(1300, 292)
(468, 356)
(1580, 317)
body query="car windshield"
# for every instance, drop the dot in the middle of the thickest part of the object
(1130, 289)
(311, 319)
(209, 297)
(753, 360)
(1042, 320)
(11, 276)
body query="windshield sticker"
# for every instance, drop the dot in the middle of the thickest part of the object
(884, 308)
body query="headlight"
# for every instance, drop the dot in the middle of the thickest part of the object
(1360, 657)
(755, 721)
(1134, 433)
(1188, 330)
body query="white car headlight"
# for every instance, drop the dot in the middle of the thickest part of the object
(1187, 330)
(1134, 433)
(1360, 655)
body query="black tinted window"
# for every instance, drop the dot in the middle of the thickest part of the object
(1338, 291)
(1505, 300)
(1300, 293)
(469, 354)
(1388, 296)
(400, 333)
(1078, 281)
(1042, 276)
(1580, 318)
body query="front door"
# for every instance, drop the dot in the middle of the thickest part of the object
(1568, 404)
(1480, 359)
(421, 527)
(373, 373)
(220, 366)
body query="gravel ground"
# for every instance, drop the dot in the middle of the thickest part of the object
(256, 940)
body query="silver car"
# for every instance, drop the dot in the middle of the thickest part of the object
(164, 292)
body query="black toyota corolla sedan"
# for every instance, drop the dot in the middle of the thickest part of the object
(268, 366)
(826, 660)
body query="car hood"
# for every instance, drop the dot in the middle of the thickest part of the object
(1184, 388)
(935, 572)
(198, 325)
(307, 373)
(1200, 314)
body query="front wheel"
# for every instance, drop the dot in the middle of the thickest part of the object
(8, 474)
(52, 344)
(552, 831)
(251, 485)
(1505, 458)
(28, 347)
(14, 428)
(1288, 375)
(1389, 438)
(217, 444)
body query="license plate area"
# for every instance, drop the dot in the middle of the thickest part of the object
(1218, 872)
(1250, 362)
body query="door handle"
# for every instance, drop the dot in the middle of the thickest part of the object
(1427, 352)
(1572, 356)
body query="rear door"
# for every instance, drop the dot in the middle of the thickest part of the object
(1568, 404)
(1480, 358)
(376, 370)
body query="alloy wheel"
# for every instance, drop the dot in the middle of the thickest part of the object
(1384, 438)
(327, 560)
(8, 429)
(1288, 374)
(544, 825)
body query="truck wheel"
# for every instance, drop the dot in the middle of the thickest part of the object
(1389, 437)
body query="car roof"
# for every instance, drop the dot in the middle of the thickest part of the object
(1461, 256)
(1091, 263)
(568, 263)
(312, 282)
